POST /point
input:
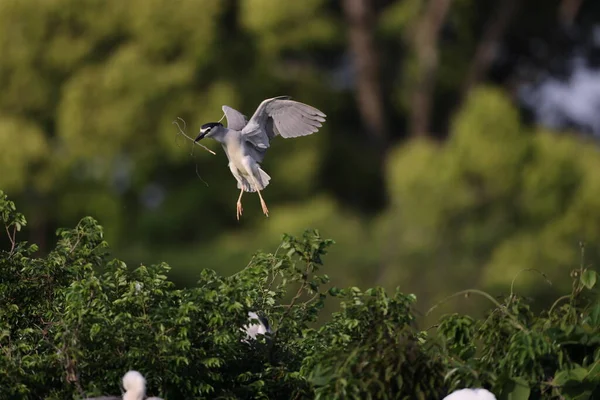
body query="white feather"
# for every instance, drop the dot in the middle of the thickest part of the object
(254, 329)
(135, 387)
(470, 394)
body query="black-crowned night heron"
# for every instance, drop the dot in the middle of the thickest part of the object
(254, 329)
(470, 394)
(246, 141)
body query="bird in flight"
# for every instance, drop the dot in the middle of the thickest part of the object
(246, 141)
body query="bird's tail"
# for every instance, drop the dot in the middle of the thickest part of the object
(265, 179)
(263, 182)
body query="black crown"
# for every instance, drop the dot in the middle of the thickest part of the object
(210, 125)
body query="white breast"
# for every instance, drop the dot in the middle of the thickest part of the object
(236, 153)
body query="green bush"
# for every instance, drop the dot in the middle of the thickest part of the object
(73, 322)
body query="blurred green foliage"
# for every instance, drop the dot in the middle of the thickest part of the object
(74, 321)
(497, 198)
(90, 89)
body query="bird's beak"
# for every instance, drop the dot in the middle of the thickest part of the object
(200, 136)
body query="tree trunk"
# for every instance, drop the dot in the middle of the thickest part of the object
(361, 21)
(484, 55)
(426, 49)
(568, 11)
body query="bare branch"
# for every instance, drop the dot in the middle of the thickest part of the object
(292, 303)
(426, 49)
(12, 238)
(76, 243)
(307, 302)
(199, 177)
(181, 131)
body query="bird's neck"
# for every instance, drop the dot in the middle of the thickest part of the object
(220, 135)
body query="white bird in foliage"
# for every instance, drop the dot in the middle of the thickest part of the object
(135, 387)
(134, 384)
(470, 394)
(255, 329)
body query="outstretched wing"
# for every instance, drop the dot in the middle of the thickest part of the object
(281, 116)
(235, 119)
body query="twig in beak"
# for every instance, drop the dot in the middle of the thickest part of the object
(181, 131)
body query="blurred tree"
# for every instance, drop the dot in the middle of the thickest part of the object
(487, 46)
(90, 89)
(360, 17)
(497, 199)
(101, 93)
(426, 50)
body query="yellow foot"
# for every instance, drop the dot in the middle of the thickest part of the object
(239, 210)
(264, 207)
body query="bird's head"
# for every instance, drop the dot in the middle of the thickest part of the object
(208, 130)
(134, 385)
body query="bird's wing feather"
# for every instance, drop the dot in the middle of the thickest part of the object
(235, 119)
(281, 116)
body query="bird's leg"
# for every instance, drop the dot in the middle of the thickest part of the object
(262, 201)
(239, 204)
(263, 204)
(253, 172)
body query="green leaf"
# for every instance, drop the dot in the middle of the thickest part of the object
(594, 316)
(515, 389)
(588, 278)
(594, 372)
(579, 373)
(564, 377)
